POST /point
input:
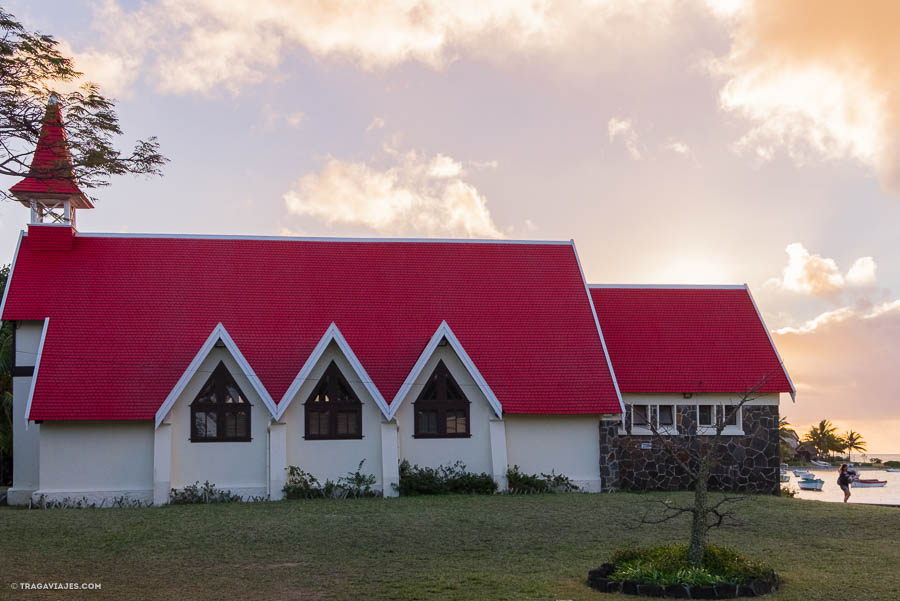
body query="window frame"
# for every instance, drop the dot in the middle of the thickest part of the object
(331, 378)
(719, 409)
(221, 377)
(442, 405)
(653, 418)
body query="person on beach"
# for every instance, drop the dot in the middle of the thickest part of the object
(844, 481)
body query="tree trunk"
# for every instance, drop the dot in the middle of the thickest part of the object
(698, 524)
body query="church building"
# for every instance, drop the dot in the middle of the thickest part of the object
(147, 362)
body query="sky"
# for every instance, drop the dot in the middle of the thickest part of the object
(676, 141)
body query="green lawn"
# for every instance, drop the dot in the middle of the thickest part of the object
(452, 547)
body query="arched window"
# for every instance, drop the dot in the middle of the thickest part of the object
(333, 410)
(221, 412)
(442, 410)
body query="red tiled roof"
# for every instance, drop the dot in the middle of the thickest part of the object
(128, 314)
(51, 158)
(687, 339)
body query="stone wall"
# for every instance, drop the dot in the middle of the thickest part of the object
(748, 463)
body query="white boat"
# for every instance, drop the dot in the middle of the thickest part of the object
(811, 484)
(824, 464)
(785, 477)
(868, 483)
(802, 474)
(892, 469)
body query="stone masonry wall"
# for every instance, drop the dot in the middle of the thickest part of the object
(748, 463)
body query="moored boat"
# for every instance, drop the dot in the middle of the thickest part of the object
(811, 484)
(824, 464)
(868, 483)
(892, 469)
(803, 474)
(785, 477)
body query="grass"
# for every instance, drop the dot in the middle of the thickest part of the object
(444, 547)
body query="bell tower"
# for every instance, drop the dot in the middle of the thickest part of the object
(50, 189)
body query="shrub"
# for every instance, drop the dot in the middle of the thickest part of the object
(522, 483)
(197, 494)
(787, 492)
(358, 484)
(303, 485)
(415, 480)
(891, 464)
(669, 564)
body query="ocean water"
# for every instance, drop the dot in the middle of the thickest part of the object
(888, 494)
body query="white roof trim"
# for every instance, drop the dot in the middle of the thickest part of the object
(333, 333)
(442, 332)
(315, 239)
(9, 276)
(37, 365)
(587, 291)
(218, 333)
(674, 286)
(772, 342)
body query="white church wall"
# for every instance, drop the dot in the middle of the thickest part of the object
(239, 467)
(26, 440)
(333, 459)
(99, 460)
(566, 444)
(474, 451)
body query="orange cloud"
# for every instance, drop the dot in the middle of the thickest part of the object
(817, 78)
(844, 365)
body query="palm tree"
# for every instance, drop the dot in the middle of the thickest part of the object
(853, 441)
(822, 436)
(785, 431)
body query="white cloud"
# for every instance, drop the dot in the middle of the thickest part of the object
(377, 123)
(862, 272)
(623, 128)
(678, 147)
(197, 45)
(419, 195)
(815, 275)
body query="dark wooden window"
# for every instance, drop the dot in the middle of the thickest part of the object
(333, 410)
(706, 415)
(666, 416)
(640, 416)
(221, 412)
(442, 410)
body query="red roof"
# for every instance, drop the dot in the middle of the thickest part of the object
(51, 169)
(129, 313)
(687, 339)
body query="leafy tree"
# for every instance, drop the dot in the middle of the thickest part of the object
(30, 65)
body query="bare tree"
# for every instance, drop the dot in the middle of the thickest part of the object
(30, 66)
(695, 453)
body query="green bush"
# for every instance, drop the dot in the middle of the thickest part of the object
(197, 494)
(358, 484)
(446, 479)
(522, 483)
(669, 564)
(303, 485)
(891, 464)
